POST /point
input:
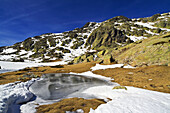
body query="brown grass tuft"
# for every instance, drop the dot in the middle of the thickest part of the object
(70, 104)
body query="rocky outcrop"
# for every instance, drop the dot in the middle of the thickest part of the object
(99, 57)
(107, 36)
(151, 51)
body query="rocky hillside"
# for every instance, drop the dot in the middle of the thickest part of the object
(94, 41)
(151, 51)
(50, 46)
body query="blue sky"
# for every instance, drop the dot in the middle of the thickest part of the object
(20, 19)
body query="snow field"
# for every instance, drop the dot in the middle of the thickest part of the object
(132, 100)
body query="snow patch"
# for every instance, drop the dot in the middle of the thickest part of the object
(98, 66)
(135, 38)
(13, 94)
(90, 74)
(9, 50)
(132, 100)
(20, 65)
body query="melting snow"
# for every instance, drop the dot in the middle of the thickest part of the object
(13, 94)
(132, 100)
(98, 66)
(9, 50)
(20, 65)
(135, 38)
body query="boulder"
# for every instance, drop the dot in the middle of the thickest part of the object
(86, 60)
(77, 60)
(90, 58)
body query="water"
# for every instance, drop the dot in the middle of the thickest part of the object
(58, 86)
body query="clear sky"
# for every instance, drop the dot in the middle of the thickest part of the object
(20, 19)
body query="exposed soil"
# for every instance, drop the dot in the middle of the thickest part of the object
(71, 104)
(155, 78)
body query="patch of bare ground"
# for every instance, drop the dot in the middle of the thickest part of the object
(70, 104)
(155, 78)
(26, 74)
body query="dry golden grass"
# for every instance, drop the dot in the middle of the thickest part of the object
(155, 78)
(71, 104)
(10, 77)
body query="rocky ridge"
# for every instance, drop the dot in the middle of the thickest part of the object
(103, 42)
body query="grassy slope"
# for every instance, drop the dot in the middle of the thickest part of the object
(151, 51)
(151, 77)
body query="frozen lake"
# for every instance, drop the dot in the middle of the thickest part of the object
(62, 85)
(54, 87)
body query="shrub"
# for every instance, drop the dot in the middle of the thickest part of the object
(37, 37)
(59, 48)
(144, 20)
(28, 44)
(66, 51)
(154, 17)
(18, 60)
(41, 44)
(164, 24)
(52, 42)
(120, 87)
(77, 44)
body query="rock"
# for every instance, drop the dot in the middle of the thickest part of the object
(77, 60)
(108, 59)
(101, 53)
(100, 61)
(90, 58)
(168, 64)
(123, 65)
(86, 60)
(84, 57)
(130, 73)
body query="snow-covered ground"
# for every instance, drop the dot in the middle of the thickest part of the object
(150, 25)
(135, 38)
(99, 66)
(13, 66)
(132, 100)
(13, 94)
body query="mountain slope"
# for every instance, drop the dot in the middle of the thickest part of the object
(110, 34)
(152, 51)
(50, 46)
